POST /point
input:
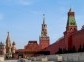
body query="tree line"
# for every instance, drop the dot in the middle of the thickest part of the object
(72, 50)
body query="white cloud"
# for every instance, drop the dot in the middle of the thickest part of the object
(23, 2)
(26, 2)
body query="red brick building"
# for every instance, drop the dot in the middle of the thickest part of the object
(33, 47)
(72, 36)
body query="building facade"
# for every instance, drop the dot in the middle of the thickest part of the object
(10, 47)
(72, 40)
(2, 49)
(33, 48)
(71, 28)
(44, 38)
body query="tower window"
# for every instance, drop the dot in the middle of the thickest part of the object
(70, 29)
(74, 29)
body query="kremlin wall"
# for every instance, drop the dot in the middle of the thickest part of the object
(72, 41)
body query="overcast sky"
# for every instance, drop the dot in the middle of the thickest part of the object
(23, 18)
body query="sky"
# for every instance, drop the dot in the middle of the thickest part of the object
(23, 18)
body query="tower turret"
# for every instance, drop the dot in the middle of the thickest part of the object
(8, 42)
(44, 28)
(8, 46)
(71, 22)
(71, 28)
(2, 49)
(44, 38)
(13, 47)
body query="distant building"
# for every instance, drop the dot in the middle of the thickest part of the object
(10, 48)
(73, 39)
(2, 49)
(33, 48)
(44, 38)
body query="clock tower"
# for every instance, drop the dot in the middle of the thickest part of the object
(44, 38)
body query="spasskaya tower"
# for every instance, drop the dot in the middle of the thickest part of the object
(44, 38)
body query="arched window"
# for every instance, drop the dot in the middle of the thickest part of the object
(74, 28)
(70, 29)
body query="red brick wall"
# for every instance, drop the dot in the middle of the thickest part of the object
(44, 42)
(78, 39)
(55, 46)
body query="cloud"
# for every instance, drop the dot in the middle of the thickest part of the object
(26, 2)
(22, 2)
(29, 2)
(19, 2)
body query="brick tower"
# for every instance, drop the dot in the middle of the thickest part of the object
(71, 28)
(44, 38)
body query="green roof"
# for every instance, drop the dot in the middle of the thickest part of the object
(71, 21)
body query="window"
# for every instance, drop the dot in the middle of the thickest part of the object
(70, 29)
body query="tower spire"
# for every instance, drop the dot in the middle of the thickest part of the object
(71, 18)
(43, 18)
(70, 10)
(8, 44)
(44, 27)
(8, 37)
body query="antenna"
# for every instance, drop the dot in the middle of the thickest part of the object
(70, 3)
